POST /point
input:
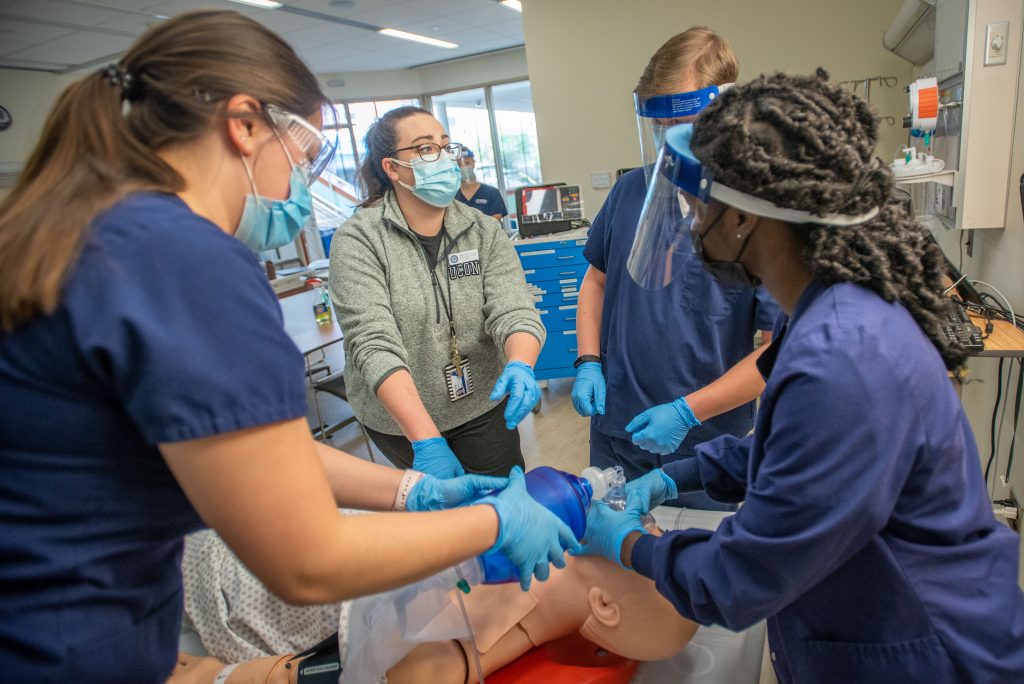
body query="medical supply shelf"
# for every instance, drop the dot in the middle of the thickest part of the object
(554, 267)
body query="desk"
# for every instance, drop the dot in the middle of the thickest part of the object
(1005, 339)
(302, 327)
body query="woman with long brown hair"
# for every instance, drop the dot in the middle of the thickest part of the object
(147, 386)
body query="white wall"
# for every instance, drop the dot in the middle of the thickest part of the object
(507, 65)
(585, 57)
(28, 96)
(998, 258)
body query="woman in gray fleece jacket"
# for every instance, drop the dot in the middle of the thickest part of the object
(441, 333)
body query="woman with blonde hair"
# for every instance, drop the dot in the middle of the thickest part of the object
(644, 415)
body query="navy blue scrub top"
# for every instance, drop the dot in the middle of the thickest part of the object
(167, 331)
(866, 538)
(657, 345)
(487, 199)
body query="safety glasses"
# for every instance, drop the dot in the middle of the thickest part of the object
(316, 146)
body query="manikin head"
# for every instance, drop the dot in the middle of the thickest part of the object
(628, 615)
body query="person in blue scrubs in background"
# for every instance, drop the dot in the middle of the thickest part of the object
(866, 537)
(480, 196)
(648, 360)
(147, 385)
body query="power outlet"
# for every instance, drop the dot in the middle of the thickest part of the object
(997, 37)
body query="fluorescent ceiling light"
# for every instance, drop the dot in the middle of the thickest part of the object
(516, 5)
(404, 35)
(265, 4)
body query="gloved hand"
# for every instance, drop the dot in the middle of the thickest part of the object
(518, 382)
(653, 489)
(528, 534)
(433, 494)
(588, 391)
(434, 457)
(607, 529)
(661, 429)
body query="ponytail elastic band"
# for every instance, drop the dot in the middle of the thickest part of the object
(119, 78)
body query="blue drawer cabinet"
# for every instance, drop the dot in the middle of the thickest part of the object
(554, 267)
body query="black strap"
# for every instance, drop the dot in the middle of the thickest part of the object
(449, 306)
(320, 664)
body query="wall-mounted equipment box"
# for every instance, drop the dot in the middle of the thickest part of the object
(977, 99)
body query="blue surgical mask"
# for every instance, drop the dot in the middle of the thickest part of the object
(269, 224)
(437, 182)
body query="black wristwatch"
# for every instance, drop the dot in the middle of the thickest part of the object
(585, 359)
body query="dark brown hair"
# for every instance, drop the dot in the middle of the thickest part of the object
(373, 183)
(698, 52)
(101, 139)
(803, 143)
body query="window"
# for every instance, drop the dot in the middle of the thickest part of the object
(354, 120)
(345, 161)
(517, 134)
(464, 115)
(498, 124)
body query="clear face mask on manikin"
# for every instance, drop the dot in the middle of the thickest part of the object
(437, 181)
(676, 207)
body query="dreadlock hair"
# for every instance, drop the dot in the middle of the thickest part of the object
(801, 142)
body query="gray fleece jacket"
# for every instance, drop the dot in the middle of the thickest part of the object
(393, 316)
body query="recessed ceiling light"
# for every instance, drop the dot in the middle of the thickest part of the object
(415, 37)
(516, 5)
(265, 4)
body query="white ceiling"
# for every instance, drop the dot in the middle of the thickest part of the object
(72, 35)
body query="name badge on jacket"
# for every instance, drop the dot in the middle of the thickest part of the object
(464, 264)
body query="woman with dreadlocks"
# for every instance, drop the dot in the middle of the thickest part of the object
(866, 538)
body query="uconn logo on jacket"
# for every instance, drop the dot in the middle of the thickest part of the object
(463, 264)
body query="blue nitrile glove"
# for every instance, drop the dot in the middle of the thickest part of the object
(661, 429)
(434, 457)
(433, 494)
(607, 529)
(523, 392)
(589, 389)
(653, 489)
(528, 534)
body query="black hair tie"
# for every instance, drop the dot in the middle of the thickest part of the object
(118, 77)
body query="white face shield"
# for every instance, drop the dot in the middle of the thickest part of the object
(655, 115)
(670, 229)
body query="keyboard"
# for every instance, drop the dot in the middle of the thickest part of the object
(959, 328)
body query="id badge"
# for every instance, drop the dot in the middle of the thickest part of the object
(458, 386)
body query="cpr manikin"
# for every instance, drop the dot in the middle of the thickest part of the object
(618, 610)
(601, 601)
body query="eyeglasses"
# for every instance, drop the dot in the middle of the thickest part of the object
(316, 146)
(430, 152)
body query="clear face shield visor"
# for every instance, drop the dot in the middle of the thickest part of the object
(675, 216)
(676, 203)
(655, 115)
(315, 146)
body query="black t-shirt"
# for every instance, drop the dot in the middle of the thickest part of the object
(432, 244)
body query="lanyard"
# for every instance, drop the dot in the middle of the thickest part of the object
(449, 308)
